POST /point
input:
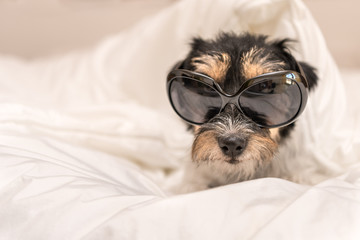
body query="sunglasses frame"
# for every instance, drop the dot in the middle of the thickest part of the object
(298, 78)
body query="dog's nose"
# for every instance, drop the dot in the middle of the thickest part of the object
(232, 146)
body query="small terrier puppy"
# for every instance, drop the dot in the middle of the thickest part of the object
(240, 95)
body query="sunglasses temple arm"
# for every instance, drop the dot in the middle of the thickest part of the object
(302, 72)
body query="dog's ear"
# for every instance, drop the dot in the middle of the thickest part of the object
(310, 74)
(309, 71)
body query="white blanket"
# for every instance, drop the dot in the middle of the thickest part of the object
(89, 144)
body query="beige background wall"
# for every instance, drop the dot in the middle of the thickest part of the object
(339, 21)
(37, 28)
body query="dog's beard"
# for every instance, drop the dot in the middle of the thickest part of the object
(258, 152)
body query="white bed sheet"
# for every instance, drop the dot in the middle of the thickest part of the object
(88, 140)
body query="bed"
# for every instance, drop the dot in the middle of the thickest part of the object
(90, 148)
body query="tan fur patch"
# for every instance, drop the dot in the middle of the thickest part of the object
(274, 134)
(215, 65)
(262, 148)
(206, 148)
(196, 128)
(254, 63)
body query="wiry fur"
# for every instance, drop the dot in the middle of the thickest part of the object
(230, 60)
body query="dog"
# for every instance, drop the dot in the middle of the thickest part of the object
(240, 95)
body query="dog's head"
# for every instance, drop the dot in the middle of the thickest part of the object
(232, 140)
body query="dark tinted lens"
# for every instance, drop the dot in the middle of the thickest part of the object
(194, 100)
(271, 102)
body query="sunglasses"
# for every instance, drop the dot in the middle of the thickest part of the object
(270, 100)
